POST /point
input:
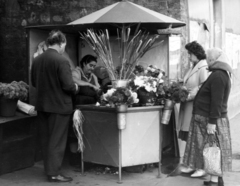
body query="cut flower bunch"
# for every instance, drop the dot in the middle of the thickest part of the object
(148, 79)
(174, 90)
(118, 96)
(14, 90)
(132, 48)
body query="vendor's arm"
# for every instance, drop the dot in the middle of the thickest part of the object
(97, 86)
(77, 79)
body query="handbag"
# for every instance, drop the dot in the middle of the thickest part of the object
(212, 156)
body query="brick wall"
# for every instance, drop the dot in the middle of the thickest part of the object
(16, 14)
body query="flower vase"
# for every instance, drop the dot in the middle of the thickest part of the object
(167, 111)
(146, 98)
(8, 107)
(120, 83)
(121, 116)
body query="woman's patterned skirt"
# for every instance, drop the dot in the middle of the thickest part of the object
(197, 137)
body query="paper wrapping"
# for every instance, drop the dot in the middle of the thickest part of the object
(26, 108)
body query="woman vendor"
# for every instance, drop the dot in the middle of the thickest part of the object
(87, 81)
(88, 88)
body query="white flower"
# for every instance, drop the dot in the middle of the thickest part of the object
(108, 94)
(154, 83)
(134, 95)
(139, 81)
(160, 75)
(161, 81)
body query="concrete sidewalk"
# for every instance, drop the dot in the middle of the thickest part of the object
(34, 176)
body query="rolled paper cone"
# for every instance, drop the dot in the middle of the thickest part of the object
(166, 116)
(32, 112)
(119, 83)
(26, 108)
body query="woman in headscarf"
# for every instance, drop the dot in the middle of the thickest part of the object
(193, 79)
(210, 116)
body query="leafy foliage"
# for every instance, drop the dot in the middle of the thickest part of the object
(14, 90)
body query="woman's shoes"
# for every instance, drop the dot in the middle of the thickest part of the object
(198, 173)
(211, 183)
(186, 170)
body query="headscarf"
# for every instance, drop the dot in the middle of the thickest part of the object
(219, 60)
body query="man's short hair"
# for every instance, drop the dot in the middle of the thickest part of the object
(56, 37)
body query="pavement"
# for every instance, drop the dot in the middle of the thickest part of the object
(34, 176)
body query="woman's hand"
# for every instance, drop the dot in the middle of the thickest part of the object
(95, 87)
(211, 128)
(192, 93)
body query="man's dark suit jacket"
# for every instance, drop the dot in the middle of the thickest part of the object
(52, 77)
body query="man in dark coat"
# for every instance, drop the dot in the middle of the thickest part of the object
(52, 78)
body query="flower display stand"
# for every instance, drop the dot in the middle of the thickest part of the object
(137, 144)
(17, 142)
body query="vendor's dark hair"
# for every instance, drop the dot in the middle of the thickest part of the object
(87, 59)
(196, 49)
(56, 37)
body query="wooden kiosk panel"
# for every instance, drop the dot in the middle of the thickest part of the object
(137, 144)
(17, 142)
(140, 139)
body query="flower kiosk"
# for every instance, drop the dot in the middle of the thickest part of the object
(119, 131)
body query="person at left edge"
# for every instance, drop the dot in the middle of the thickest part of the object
(52, 78)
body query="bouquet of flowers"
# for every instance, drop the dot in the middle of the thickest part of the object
(119, 96)
(133, 47)
(145, 83)
(14, 90)
(148, 79)
(174, 91)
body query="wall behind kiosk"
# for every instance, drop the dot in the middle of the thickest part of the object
(35, 36)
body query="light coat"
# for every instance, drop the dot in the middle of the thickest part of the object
(192, 80)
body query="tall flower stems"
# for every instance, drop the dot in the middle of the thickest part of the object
(132, 48)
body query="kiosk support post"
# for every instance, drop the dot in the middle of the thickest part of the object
(160, 149)
(120, 157)
(82, 163)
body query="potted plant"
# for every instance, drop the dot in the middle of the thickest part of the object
(10, 93)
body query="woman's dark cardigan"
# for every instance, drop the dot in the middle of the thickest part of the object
(211, 100)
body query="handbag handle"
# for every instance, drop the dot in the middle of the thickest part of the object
(213, 139)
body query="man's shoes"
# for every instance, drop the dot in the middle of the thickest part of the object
(59, 178)
(186, 170)
(198, 173)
